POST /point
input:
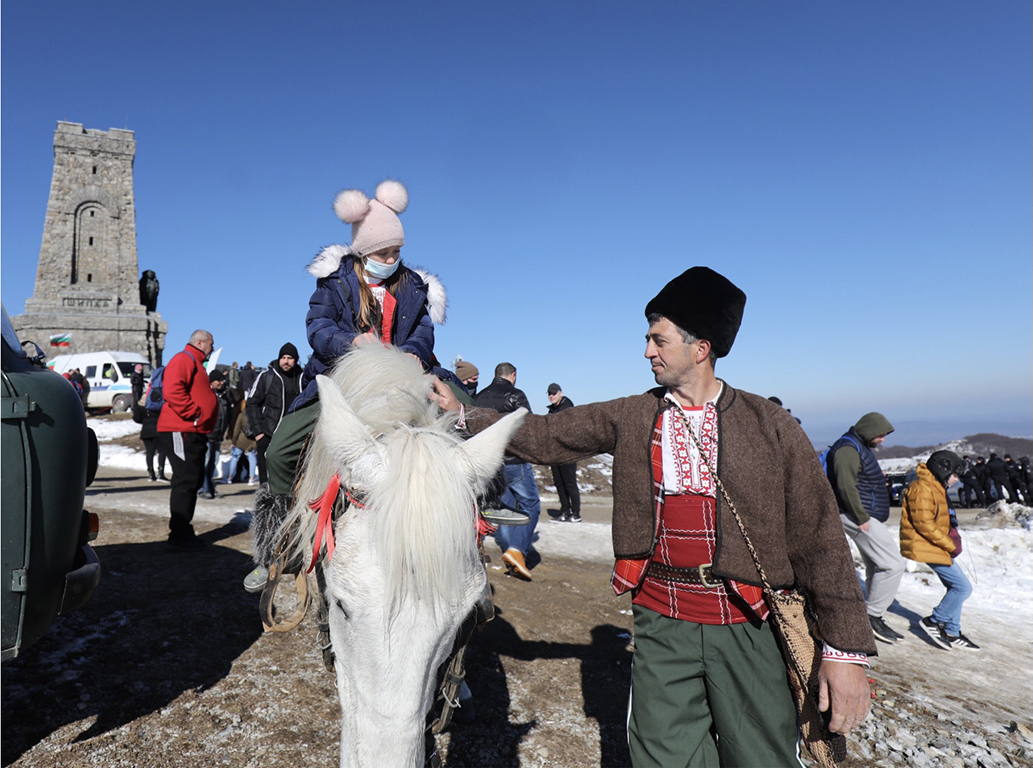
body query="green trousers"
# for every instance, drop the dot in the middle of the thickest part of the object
(281, 458)
(709, 695)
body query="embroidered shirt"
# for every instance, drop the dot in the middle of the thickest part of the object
(684, 472)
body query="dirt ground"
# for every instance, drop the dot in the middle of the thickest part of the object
(168, 664)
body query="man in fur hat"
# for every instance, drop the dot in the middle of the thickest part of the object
(709, 683)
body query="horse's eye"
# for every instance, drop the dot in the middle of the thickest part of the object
(340, 607)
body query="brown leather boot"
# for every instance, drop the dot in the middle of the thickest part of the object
(514, 558)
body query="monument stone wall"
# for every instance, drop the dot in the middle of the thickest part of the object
(87, 294)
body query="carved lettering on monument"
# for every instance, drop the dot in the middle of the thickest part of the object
(88, 303)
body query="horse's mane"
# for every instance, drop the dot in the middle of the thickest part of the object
(422, 520)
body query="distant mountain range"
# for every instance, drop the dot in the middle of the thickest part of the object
(594, 475)
(926, 432)
(982, 444)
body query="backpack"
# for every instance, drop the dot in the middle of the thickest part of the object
(823, 457)
(153, 399)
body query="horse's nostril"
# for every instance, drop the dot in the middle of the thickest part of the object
(340, 607)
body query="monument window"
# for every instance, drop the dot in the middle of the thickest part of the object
(94, 170)
(89, 259)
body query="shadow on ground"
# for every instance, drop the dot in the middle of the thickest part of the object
(605, 668)
(160, 624)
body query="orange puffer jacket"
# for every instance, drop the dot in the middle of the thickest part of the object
(925, 521)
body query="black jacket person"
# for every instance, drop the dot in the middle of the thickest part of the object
(272, 394)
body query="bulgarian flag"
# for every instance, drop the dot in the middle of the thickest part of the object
(61, 340)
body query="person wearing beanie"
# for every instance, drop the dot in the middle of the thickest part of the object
(267, 404)
(929, 534)
(364, 294)
(709, 682)
(864, 507)
(271, 395)
(468, 375)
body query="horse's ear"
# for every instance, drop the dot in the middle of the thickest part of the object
(346, 437)
(481, 455)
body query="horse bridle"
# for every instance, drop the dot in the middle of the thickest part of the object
(452, 672)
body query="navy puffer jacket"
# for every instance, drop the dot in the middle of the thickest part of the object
(333, 308)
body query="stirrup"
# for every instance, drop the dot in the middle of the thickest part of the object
(265, 605)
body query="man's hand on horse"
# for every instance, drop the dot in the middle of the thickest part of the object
(442, 395)
(844, 687)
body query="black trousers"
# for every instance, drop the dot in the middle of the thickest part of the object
(152, 445)
(263, 469)
(1000, 486)
(1021, 489)
(971, 488)
(185, 452)
(564, 477)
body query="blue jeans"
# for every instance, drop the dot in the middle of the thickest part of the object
(958, 590)
(208, 486)
(521, 495)
(252, 464)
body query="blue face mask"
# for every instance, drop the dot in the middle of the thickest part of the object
(379, 269)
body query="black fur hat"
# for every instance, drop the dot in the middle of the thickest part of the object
(704, 303)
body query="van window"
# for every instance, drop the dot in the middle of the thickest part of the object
(126, 370)
(91, 372)
(110, 372)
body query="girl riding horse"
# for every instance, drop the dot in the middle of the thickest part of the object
(364, 295)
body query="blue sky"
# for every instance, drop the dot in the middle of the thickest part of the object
(861, 171)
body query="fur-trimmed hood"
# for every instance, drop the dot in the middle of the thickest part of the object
(329, 259)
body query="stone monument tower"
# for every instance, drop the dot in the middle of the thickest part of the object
(87, 296)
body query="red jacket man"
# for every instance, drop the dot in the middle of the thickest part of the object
(190, 403)
(188, 415)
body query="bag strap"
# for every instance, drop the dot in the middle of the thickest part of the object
(727, 498)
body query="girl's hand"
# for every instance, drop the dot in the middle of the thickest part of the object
(365, 338)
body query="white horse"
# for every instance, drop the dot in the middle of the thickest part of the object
(405, 570)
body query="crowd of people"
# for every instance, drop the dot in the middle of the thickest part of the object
(704, 475)
(995, 479)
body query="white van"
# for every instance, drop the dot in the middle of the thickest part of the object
(108, 375)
